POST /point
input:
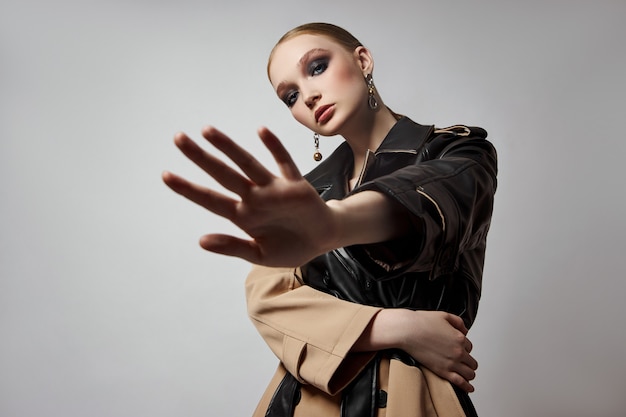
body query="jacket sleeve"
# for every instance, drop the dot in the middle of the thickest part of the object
(310, 332)
(449, 195)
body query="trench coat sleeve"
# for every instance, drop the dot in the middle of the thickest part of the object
(310, 332)
(449, 199)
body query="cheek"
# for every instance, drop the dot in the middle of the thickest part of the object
(347, 77)
(300, 115)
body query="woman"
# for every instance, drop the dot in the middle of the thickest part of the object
(368, 269)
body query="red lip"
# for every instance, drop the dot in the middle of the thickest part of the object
(324, 113)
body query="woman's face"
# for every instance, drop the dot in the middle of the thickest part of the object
(321, 82)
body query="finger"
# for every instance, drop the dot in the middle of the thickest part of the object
(244, 160)
(467, 387)
(457, 323)
(282, 157)
(460, 382)
(231, 246)
(464, 364)
(468, 345)
(221, 172)
(209, 199)
(470, 362)
(466, 371)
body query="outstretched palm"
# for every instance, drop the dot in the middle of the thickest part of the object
(287, 221)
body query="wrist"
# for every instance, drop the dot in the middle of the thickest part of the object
(342, 224)
(362, 218)
(401, 323)
(387, 330)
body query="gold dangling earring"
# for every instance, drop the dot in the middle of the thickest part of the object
(371, 97)
(316, 140)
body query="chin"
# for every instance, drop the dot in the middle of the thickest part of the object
(331, 128)
(329, 132)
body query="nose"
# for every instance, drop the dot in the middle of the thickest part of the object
(312, 98)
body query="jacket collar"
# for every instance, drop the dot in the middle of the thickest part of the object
(405, 135)
(330, 177)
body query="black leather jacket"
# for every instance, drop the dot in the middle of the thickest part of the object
(446, 180)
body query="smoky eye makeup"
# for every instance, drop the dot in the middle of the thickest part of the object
(313, 63)
(287, 93)
(317, 66)
(290, 98)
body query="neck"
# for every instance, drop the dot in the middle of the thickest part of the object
(368, 135)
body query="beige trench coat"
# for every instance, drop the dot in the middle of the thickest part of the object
(312, 333)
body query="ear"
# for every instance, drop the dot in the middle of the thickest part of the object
(364, 60)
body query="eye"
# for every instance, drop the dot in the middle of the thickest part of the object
(318, 66)
(290, 98)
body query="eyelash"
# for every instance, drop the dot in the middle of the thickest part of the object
(318, 66)
(315, 68)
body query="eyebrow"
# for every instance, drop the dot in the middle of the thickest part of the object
(308, 54)
(301, 62)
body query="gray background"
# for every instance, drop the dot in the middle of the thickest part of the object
(108, 307)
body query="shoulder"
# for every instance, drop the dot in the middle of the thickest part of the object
(455, 137)
(461, 131)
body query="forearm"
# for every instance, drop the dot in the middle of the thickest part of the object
(436, 339)
(368, 217)
(387, 330)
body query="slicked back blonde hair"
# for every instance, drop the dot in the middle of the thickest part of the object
(336, 33)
